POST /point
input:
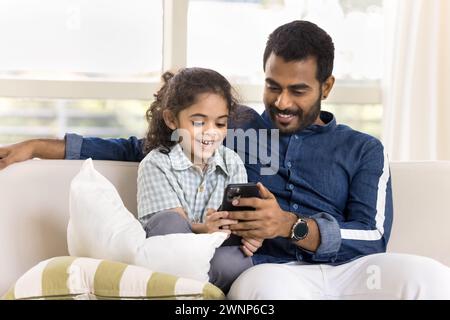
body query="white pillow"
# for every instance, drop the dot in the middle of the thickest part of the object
(101, 227)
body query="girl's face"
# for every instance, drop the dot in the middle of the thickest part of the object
(203, 126)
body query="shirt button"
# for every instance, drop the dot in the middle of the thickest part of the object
(289, 164)
(295, 206)
(291, 186)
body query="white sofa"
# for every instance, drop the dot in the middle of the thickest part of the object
(34, 210)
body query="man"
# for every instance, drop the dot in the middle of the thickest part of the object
(325, 213)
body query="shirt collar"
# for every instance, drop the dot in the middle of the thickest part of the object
(217, 160)
(327, 117)
(180, 161)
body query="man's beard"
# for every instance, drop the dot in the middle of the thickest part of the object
(304, 119)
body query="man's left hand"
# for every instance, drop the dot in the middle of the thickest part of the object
(268, 221)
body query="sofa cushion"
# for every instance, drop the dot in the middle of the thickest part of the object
(101, 227)
(87, 278)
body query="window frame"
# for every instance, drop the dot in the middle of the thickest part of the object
(175, 15)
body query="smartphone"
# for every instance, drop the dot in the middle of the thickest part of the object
(238, 190)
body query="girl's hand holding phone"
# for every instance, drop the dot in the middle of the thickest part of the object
(214, 221)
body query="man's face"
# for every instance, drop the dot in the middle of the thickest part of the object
(292, 93)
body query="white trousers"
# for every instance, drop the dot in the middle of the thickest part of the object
(378, 276)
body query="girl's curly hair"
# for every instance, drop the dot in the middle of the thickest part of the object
(180, 91)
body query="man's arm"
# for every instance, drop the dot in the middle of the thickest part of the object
(37, 148)
(365, 225)
(368, 215)
(78, 147)
(73, 147)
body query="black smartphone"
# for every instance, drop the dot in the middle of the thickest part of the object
(238, 190)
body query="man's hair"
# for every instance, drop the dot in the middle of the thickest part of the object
(298, 40)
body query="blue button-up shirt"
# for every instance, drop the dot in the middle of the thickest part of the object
(333, 174)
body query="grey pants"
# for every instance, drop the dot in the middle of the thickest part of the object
(228, 261)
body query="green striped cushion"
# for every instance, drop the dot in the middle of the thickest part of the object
(87, 278)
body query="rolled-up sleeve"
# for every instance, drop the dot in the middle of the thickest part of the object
(330, 238)
(73, 146)
(78, 147)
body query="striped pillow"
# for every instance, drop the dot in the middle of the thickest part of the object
(87, 278)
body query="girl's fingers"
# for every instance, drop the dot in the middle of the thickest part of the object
(255, 242)
(249, 246)
(247, 252)
(226, 222)
(217, 215)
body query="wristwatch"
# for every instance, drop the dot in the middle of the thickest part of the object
(299, 230)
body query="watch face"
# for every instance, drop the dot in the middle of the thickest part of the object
(301, 230)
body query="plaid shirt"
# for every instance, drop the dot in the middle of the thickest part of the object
(171, 180)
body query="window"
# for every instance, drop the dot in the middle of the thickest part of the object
(232, 36)
(364, 117)
(81, 63)
(80, 39)
(22, 119)
(92, 66)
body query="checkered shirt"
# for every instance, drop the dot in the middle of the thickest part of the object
(171, 180)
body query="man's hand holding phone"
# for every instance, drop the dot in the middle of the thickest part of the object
(266, 221)
(234, 192)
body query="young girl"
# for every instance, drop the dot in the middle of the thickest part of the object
(182, 179)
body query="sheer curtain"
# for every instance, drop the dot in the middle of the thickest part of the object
(416, 82)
